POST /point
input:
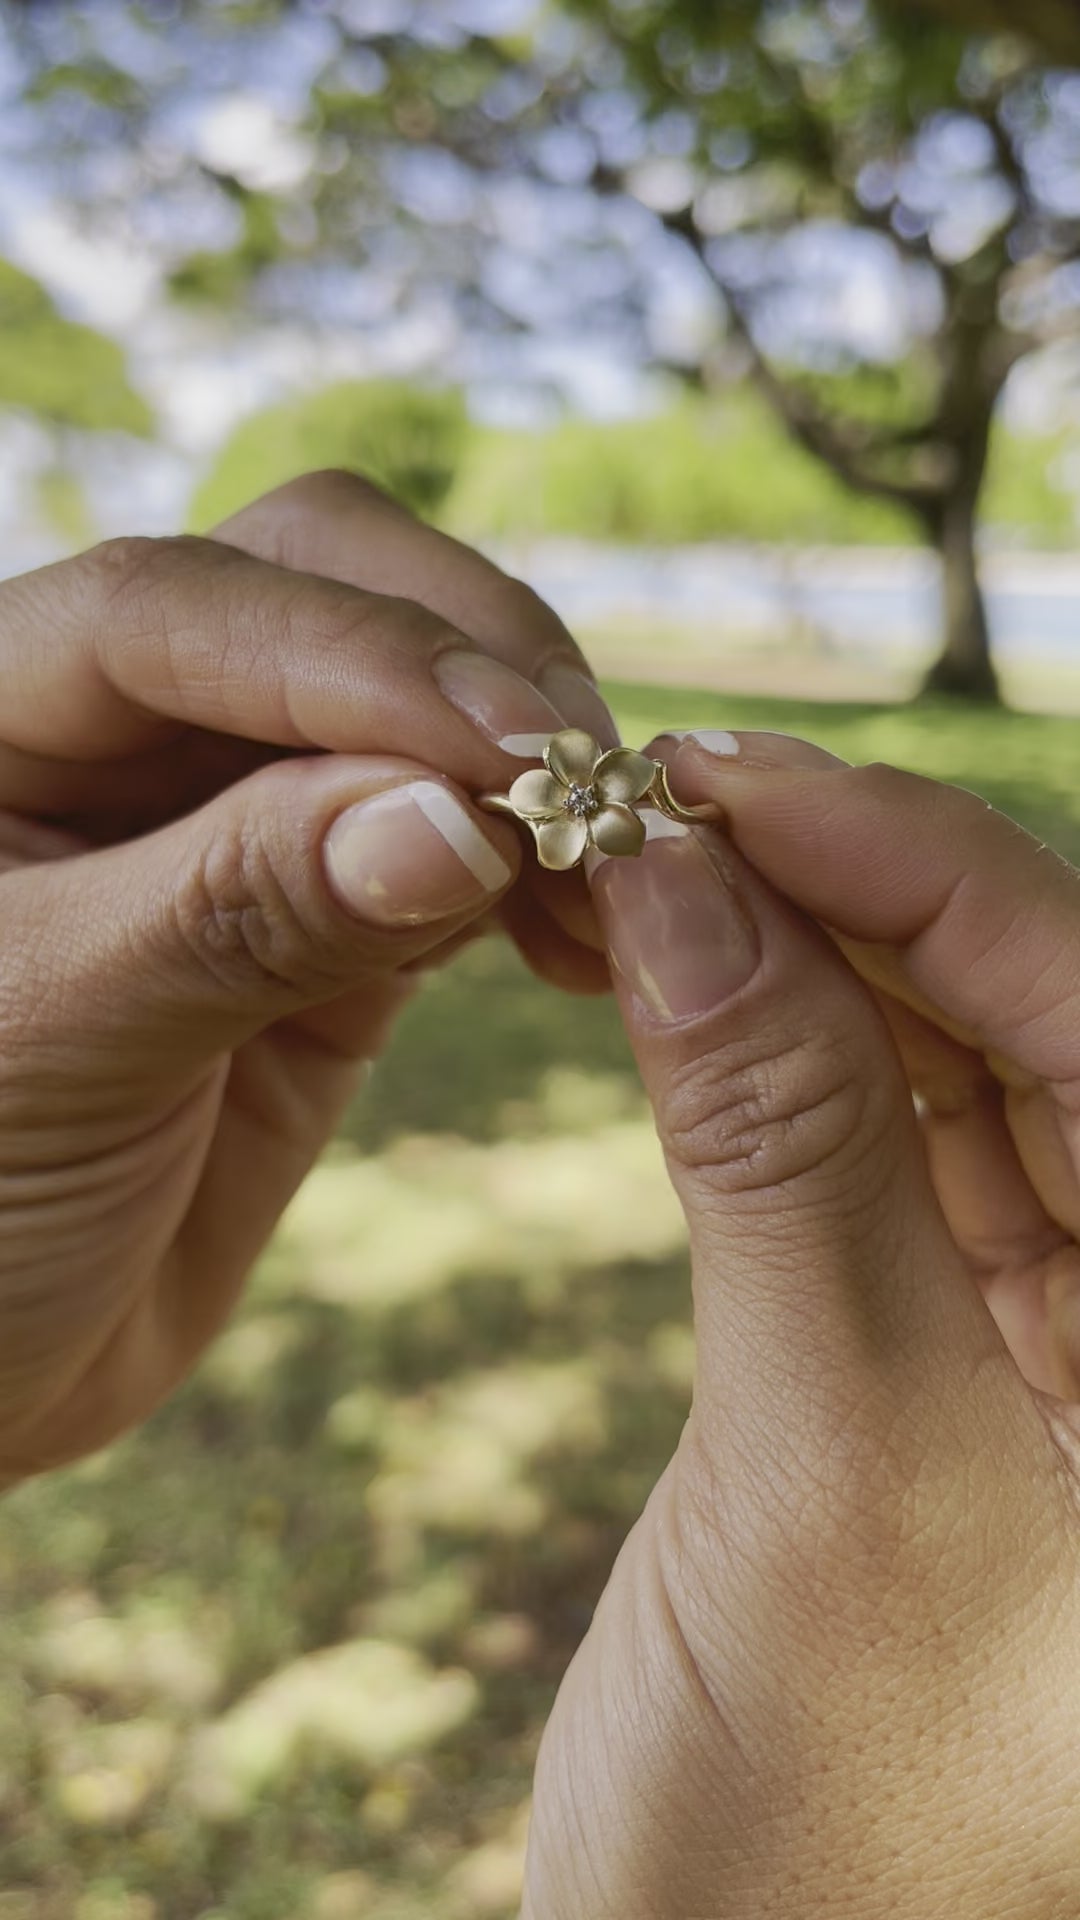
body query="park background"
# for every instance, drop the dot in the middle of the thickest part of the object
(749, 334)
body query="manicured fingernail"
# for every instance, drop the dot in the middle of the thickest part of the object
(712, 738)
(525, 746)
(410, 855)
(676, 931)
(580, 703)
(760, 749)
(498, 701)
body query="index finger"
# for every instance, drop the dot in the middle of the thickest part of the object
(972, 914)
(342, 527)
(107, 654)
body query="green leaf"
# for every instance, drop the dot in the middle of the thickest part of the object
(408, 439)
(60, 370)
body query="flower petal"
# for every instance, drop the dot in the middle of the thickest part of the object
(537, 796)
(617, 830)
(571, 757)
(623, 775)
(561, 843)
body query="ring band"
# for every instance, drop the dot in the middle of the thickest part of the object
(664, 801)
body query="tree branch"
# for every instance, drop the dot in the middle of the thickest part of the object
(824, 438)
(846, 454)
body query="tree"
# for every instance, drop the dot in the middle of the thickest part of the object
(550, 174)
(407, 439)
(69, 378)
(851, 120)
(1052, 25)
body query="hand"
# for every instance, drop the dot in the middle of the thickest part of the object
(837, 1666)
(223, 854)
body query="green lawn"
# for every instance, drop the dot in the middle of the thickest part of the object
(287, 1652)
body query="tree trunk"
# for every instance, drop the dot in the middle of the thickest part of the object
(965, 666)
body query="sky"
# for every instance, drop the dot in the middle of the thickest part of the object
(202, 373)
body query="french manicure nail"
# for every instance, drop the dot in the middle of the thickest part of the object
(760, 749)
(498, 701)
(410, 855)
(714, 739)
(676, 931)
(579, 701)
(525, 746)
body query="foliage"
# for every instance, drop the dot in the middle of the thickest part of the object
(1053, 25)
(530, 171)
(700, 470)
(64, 373)
(565, 171)
(721, 470)
(402, 1475)
(407, 438)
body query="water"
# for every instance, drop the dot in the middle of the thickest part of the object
(854, 599)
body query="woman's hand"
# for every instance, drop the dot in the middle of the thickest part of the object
(222, 853)
(837, 1667)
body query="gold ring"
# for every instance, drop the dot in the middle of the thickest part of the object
(584, 798)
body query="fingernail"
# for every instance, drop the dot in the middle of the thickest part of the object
(677, 933)
(760, 749)
(504, 706)
(712, 738)
(412, 854)
(525, 746)
(579, 701)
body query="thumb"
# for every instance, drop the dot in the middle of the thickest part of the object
(308, 880)
(820, 1253)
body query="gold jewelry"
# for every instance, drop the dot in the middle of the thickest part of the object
(586, 798)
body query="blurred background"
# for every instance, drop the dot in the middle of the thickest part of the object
(751, 335)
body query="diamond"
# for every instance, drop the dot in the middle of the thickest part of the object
(582, 802)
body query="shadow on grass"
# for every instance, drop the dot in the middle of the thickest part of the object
(473, 1051)
(326, 1528)
(450, 1469)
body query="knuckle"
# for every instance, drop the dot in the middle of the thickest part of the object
(285, 516)
(403, 634)
(899, 791)
(882, 779)
(248, 928)
(764, 1119)
(334, 488)
(128, 564)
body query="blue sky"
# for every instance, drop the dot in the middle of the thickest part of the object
(203, 372)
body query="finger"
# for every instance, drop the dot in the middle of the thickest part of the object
(824, 1270)
(343, 527)
(567, 898)
(114, 799)
(981, 920)
(146, 634)
(309, 878)
(24, 842)
(934, 896)
(556, 956)
(1025, 1264)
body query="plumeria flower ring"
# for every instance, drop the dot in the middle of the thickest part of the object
(584, 798)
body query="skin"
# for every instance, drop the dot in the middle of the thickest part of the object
(835, 1669)
(184, 1003)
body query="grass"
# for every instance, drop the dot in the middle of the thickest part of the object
(288, 1651)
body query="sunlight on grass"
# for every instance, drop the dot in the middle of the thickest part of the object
(455, 1459)
(367, 1702)
(386, 1231)
(286, 1654)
